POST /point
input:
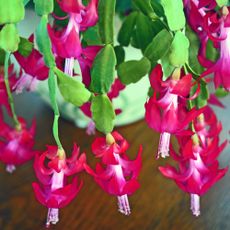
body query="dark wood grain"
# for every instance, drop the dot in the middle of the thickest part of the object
(157, 205)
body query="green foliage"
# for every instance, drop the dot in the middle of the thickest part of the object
(145, 7)
(25, 2)
(123, 6)
(133, 71)
(174, 12)
(120, 54)
(159, 46)
(9, 38)
(179, 51)
(11, 11)
(166, 66)
(127, 28)
(44, 43)
(193, 51)
(222, 2)
(106, 20)
(72, 90)
(211, 52)
(203, 96)
(2, 57)
(25, 47)
(103, 113)
(91, 36)
(157, 7)
(52, 82)
(43, 7)
(220, 92)
(103, 70)
(144, 31)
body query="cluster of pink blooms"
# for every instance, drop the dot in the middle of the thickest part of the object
(196, 130)
(214, 26)
(16, 143)
(167, 112)
(58, 182)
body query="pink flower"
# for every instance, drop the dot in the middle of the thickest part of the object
(3, 93)
(116, 174)
(198, 170)
(88, 13)
(207, 126)
(168, 114)
(54, 191)
(67, 43)
(34, 69)
(16, 145)
(213, 100)
(215, 28)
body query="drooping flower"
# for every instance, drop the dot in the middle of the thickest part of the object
(222, 36)
(3, 92)
(53, 190)
(116, 174)
(167, 113)
(67, 43)
(207, 126)
(16, 144)
(34, 69)
(198, 170)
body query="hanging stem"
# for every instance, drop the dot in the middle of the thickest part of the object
(52, 81)
(10, 97)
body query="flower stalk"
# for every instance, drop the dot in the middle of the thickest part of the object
(52, 82)
(9, 93)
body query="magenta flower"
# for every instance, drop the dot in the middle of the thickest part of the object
(67, 43)
(116, 174)
(34, 69)
(16, 145)
(3, 93)
(207, 126)
(54, 191)
(167, 114)
(197, 13)
(217, 29)
(198, 170)
(213, 100)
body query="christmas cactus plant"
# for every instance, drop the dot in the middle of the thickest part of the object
(185, 50)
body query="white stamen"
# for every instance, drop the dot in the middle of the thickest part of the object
(69, 66)
(195, 204)
(123, 205)
(52, 216)
(10, 168)
(163, 149)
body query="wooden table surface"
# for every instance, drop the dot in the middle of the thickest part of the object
(157, 205)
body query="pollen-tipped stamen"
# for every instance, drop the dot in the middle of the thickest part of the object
(52, 216)
(195, 204)
(123, 205)
(69, 66)
(10, 168)
(163, 149)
